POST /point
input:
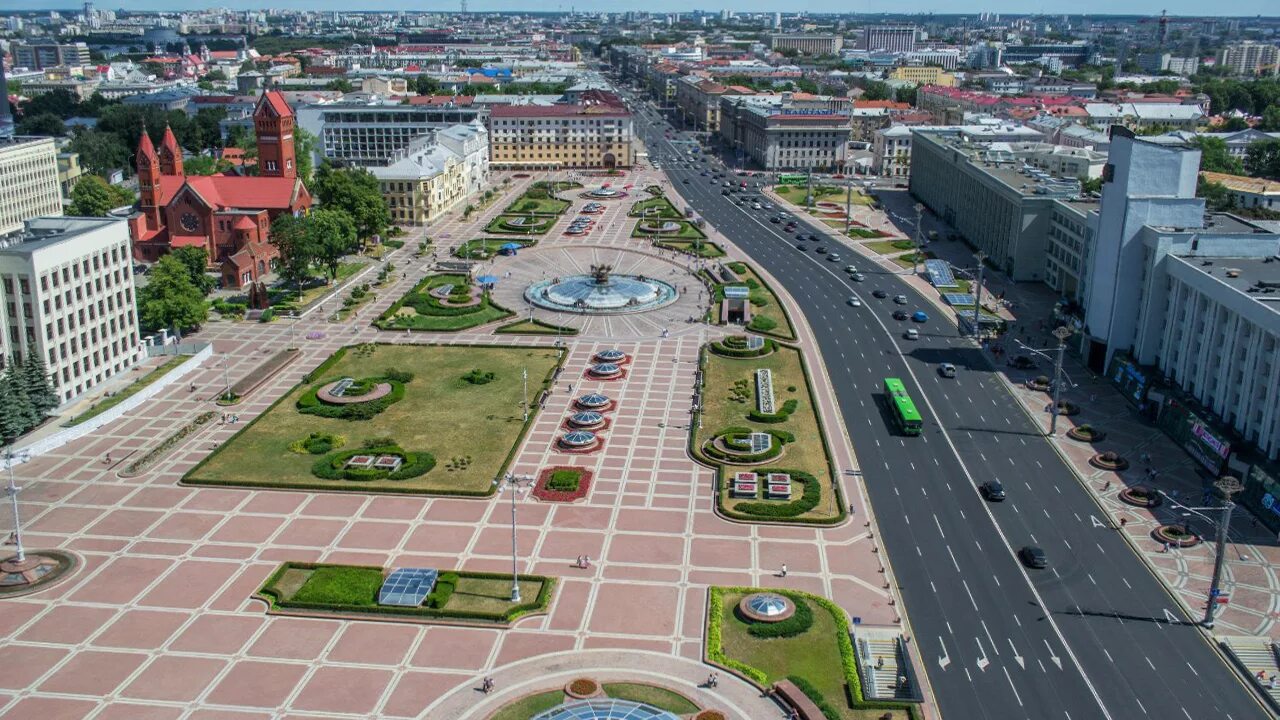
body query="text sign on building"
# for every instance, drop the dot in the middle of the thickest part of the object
(807, 111)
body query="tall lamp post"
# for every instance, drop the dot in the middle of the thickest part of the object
(915, 240)
(1061, 333)
(20, 557)
(981, 257)
(1228, 486)
(515, 485)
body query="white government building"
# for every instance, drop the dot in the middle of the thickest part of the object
(435, 173)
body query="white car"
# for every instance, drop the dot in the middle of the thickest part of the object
(855, 302)
(913, 334)
(755, 206)
(947, 370)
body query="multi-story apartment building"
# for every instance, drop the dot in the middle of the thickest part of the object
(698, 102)
(1250, 58)
(6, 113)
(67, 294)
(889, 38)
(38, 56)
(436, 173)
(787, 131)
(923, 75)
(808, 44)
(594, 133)
(1248, 192)
(891, 146)
(369, 130)
(1174, 116)
(28, 181)
(1070, 54)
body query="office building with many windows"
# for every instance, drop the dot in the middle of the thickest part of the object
(889, 38)
(29, 184)
(594, 133)
(67, 294)
(436, 173)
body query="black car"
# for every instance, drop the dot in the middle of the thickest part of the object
(880, 294)
(789, 228)
(775, 219)
(992, 490)
(800, 246)
(899, 314)
(1033, 557)
(822, 248)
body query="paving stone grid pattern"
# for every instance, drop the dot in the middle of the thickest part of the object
(158, 623)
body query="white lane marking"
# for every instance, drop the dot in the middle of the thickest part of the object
(1015, 690)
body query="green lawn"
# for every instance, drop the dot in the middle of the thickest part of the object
(822, 193)
(489, 595)
(657, 207)
(418, 310)
(720, 411)
(132, 389)
(660, 698)
(530, 705)
(888, 247)
(485, 248)
(814, 655)
(469, 429)
(909, 260)
(700, 248)
(499, 225)
(313, 293)
(534, 327)
(341, 584)
(688, 231)
(764, 303)
(525, 205)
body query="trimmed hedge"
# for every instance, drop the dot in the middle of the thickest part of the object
(725, 348)
(446, 583)
(798, 623)
(816, 696)
(309, 404)
(330, 467)
(317, 443)
(783, 413)
(715, 640)
(735, 437)
(271, 594)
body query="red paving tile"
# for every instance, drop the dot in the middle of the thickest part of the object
(141, 629)
(454, 648)
(120, 580)
(220, 634)
(374, 535)
(159, 498)
(47, 708)
(125, 523)
(24, 664)
(440, 538)
(174, 678)
(374, 643)
(16, 614)
(133, 711)
(190, 585)
(416, 690)
(646, 549)
(521, 645)
(92, 672)
(295, 638)
(274, 503)
(254, 683)
(185, 526)
(309, 532)
(618, 605)
(67, 624)
(394, 508)
(63, 520)
(340, 689)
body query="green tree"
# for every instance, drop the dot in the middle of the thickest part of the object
(94, 197)
(905, 95)
(331, 235)
(426, 85)
(58, 102)
(39, 387)
(289, 235)
(1263, 159)
(216, 76)
(876, 90)
(1270, 119)
(100, 152)
(356, 192)
(25, 413)
(204, 132)
(1216, 196)
(196, 261)
(42, 124)
(13, 421)
(205, 165)
(1091, 185)
(304, 149)
(1235, 123)
(170, 299)
(1215, 158)
(339, 84)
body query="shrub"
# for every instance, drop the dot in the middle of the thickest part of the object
(317, 443)
(375, 442)
(807, 501)
(479, 377)
(400, 376)
(760, 323)
(798, 623)
(311, 405)
(267, 315)
(738, 267)
(446, 583)
(806, 687)
(783, 413)
(394, 244)
(331, 467)
(715, 646)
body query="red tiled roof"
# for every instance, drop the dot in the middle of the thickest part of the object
(886, 104)
(229, 191)
(224, 55)
(560, 110)
(459, 100)
(277, 103)
(245, 223)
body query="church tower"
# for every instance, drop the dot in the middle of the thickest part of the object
(149, 181)
(273, 122)
(170, 154)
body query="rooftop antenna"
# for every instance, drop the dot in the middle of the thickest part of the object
(463, 3)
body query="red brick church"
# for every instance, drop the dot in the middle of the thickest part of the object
(227, 215)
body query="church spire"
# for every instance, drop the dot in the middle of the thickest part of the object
(170, 154)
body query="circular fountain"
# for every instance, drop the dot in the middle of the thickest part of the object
(601, 293)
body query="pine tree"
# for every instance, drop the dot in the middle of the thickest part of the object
(40, 390)
(24, 412)
(10, 425)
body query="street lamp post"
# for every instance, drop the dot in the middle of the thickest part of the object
(524, 381)
(12, 491)
(981, 257)
(915, 240)
(515, 485)
(1061, 333)
(1228, 486)
(226, 377)
(848, 206)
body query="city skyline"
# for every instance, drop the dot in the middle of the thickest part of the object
(1097, 8)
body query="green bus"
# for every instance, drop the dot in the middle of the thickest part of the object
(793, 179)
(904, 411)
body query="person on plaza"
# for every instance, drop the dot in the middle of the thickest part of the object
(487, 685)
(106, 459)
(1123, 522)
(784, 570)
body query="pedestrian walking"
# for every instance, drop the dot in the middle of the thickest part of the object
(880, 663)
(1166, 548)
(784, 570)
(106, 459)
(1123, 522)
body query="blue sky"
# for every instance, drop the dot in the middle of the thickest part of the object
(1244, 8)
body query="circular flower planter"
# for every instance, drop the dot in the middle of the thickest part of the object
(1109, 460)
(664, 228)
(582, 688)
(710, 715)
(1039, 384)
(1086, 433)
(1140, 496)
(1066, 408)
(1176, 535)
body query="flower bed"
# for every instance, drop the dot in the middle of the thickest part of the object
(1109, 460)
(764, 392)
(154, 454)
(1176, 535)
(582, 688)
(544, 488)
(313, 401)
(1086, 433)
(1140, 496)
(334, 466)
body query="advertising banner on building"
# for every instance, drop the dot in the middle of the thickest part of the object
(1127, 376)
(1195, 435)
